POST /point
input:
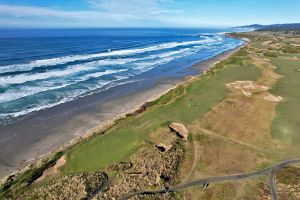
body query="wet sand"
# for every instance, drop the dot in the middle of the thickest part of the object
(30, 139)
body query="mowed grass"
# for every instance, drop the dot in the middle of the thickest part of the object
(286, 125)
(183, 104)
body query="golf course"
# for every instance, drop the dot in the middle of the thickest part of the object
(242, 115)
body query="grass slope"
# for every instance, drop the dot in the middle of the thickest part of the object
(183, 104)
(286, 125)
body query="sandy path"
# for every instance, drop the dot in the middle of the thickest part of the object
(196, 157)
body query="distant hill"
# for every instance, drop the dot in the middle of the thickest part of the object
(254, 26)
(281, 27)
(273, 27)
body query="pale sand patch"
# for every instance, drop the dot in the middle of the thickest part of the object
(266, 43)
(166, 147)
(296, 45)
(180, 129)
(54, 169)
(295, 58)
(247, 93)
(246, 87)
(273, 98)
(277, 46)
(246, 39)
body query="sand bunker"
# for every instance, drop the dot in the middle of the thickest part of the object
(295, 45)
(54, 169)
(180, 129)
(246, 87)
(266, 43)
(164, 147)
(273, 98)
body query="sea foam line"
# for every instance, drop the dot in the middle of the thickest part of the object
(23, 91)
(73, 69)
(140, 68)
(80, 93)
(14, 94)
(17, 93)
(67, 59)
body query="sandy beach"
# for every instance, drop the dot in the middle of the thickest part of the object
(31, 139)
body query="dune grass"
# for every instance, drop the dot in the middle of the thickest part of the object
(183, 104)
(28, 176)
(259, 45)
(286, 125)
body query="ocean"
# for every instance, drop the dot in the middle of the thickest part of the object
(40, 69)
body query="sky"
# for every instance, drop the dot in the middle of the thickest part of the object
(145, 13)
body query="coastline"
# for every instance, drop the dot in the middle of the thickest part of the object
(107, 113)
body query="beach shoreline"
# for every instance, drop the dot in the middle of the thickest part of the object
(103, 117)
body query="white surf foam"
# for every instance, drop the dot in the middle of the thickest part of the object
(67, 59)
(72, 95)
(140, 65)
(72, 69)
(17, 93)
(139, 68)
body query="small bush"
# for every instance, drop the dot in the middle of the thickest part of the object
(290, 49)
(270, 54)
(242, 52)
(233, 60)
(190, 137)
(166, 123)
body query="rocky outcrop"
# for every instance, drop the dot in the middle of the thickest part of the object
(180, 129)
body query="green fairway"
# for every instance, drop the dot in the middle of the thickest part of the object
(121, 141)
(286, 125)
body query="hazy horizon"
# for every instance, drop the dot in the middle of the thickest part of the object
(145, 14)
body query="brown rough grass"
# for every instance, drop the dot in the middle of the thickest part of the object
(235, 135)
(246, 118)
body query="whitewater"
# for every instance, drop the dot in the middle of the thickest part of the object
(41, 71)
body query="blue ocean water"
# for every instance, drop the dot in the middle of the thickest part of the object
(40, 69)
